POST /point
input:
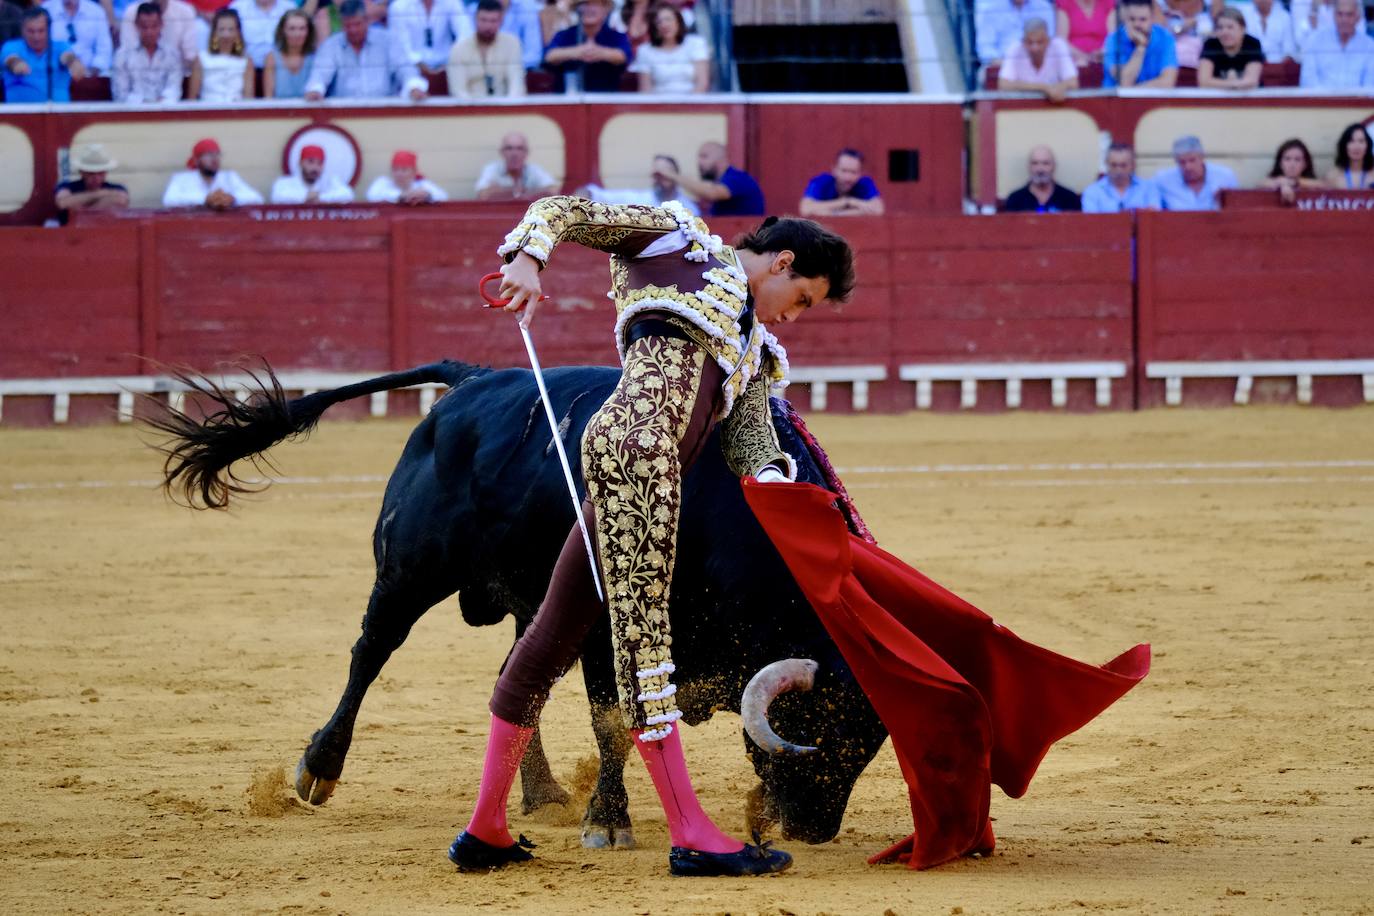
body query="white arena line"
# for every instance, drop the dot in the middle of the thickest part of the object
(1105, 466)
(1119, 482)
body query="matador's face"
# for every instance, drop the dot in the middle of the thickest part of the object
(782, 295)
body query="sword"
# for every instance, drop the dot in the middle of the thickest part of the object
(493, 302)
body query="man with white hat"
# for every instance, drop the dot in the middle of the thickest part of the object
(205, 184)
(91, 191)
(311, 185)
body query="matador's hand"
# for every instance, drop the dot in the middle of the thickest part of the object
(520, 284)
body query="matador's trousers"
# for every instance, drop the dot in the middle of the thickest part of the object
(634, 452)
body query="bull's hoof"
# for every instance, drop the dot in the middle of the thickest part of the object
(548, 793)
(310, 787)
(595, 836)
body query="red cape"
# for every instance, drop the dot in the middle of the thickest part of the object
(967, 702)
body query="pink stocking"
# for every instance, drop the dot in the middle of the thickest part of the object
(688, 825)
(505, 748)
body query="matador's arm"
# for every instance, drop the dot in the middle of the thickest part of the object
(747, 435)
(619, 229)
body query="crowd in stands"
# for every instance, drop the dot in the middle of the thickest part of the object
(1192, 183)
(718, 188)
(1033, 46)
(217, 51)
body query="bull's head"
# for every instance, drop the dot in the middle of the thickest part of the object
(834, 732)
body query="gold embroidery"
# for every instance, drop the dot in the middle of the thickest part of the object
(630, 463)
(604, 227)
(747, 436)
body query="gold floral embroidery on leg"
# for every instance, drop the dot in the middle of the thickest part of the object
(630, 462)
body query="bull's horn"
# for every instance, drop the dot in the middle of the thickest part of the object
(763, 688)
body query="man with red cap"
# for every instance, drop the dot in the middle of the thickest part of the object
(405, 185)
(205, 184)
(311, 184)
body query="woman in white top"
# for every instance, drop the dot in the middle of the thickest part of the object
(222, 74)
(672, 61)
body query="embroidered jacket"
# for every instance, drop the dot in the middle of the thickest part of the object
(664, 260)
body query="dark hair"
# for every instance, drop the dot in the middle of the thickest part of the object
(1121, 148)
(655, 36)
(35, 12)
(1149, 3)
(490, 6)
(237, 50)
(350, 8)
(148, 9)
(819, 252)
(676, 168)
(849, 151)
(1343, 158)
(279, 39)
(1295, 143)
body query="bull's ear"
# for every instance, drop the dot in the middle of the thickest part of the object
(764, 687)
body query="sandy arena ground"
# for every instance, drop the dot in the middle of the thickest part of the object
(161, 670)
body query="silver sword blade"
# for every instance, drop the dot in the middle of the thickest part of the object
(562, 458)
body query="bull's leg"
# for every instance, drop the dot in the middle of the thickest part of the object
(607, 821)
(391, 612)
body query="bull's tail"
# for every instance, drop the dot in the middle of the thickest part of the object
(201, 452)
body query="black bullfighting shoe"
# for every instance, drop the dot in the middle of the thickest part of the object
(762, 859)
(472, 854)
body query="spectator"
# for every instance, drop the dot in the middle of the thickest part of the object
(488, 63)
(1270, 23)
(148, 71)
(82, 24)
(11, 15)
(319, 13)
(1139, 53)
(259, 20)
(1194, 183)
(1341, 57)
(660, 191)
(730, 191)
(1190, 25)
(513, 176)
(312, 185)
(178, 29)
(1292, 171)
(672, 61)
(222, 73)
(1230, 58)
(405, 185)
(37, 69)
(1042, 194)
(359, 63)
(1039, 63)
(1084, 26)
(588, 64)
(1353, 151)
(91, 191)
(287, 68)
(522, 22)
(843, 191)
(633, 19)
(1000, 23)
(206, 184)
(1120, 189)
(425, 31)
(556, 16)
(1311, 16)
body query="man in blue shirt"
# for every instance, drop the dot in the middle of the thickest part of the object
(1120, 189)
(1194, 183)
(1139, 53)
(843, 191)
(727, 190)
(37, 69)
(584, 64)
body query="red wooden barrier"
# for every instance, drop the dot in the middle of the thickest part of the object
(1253, 286)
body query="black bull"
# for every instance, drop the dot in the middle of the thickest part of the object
(477, 506)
